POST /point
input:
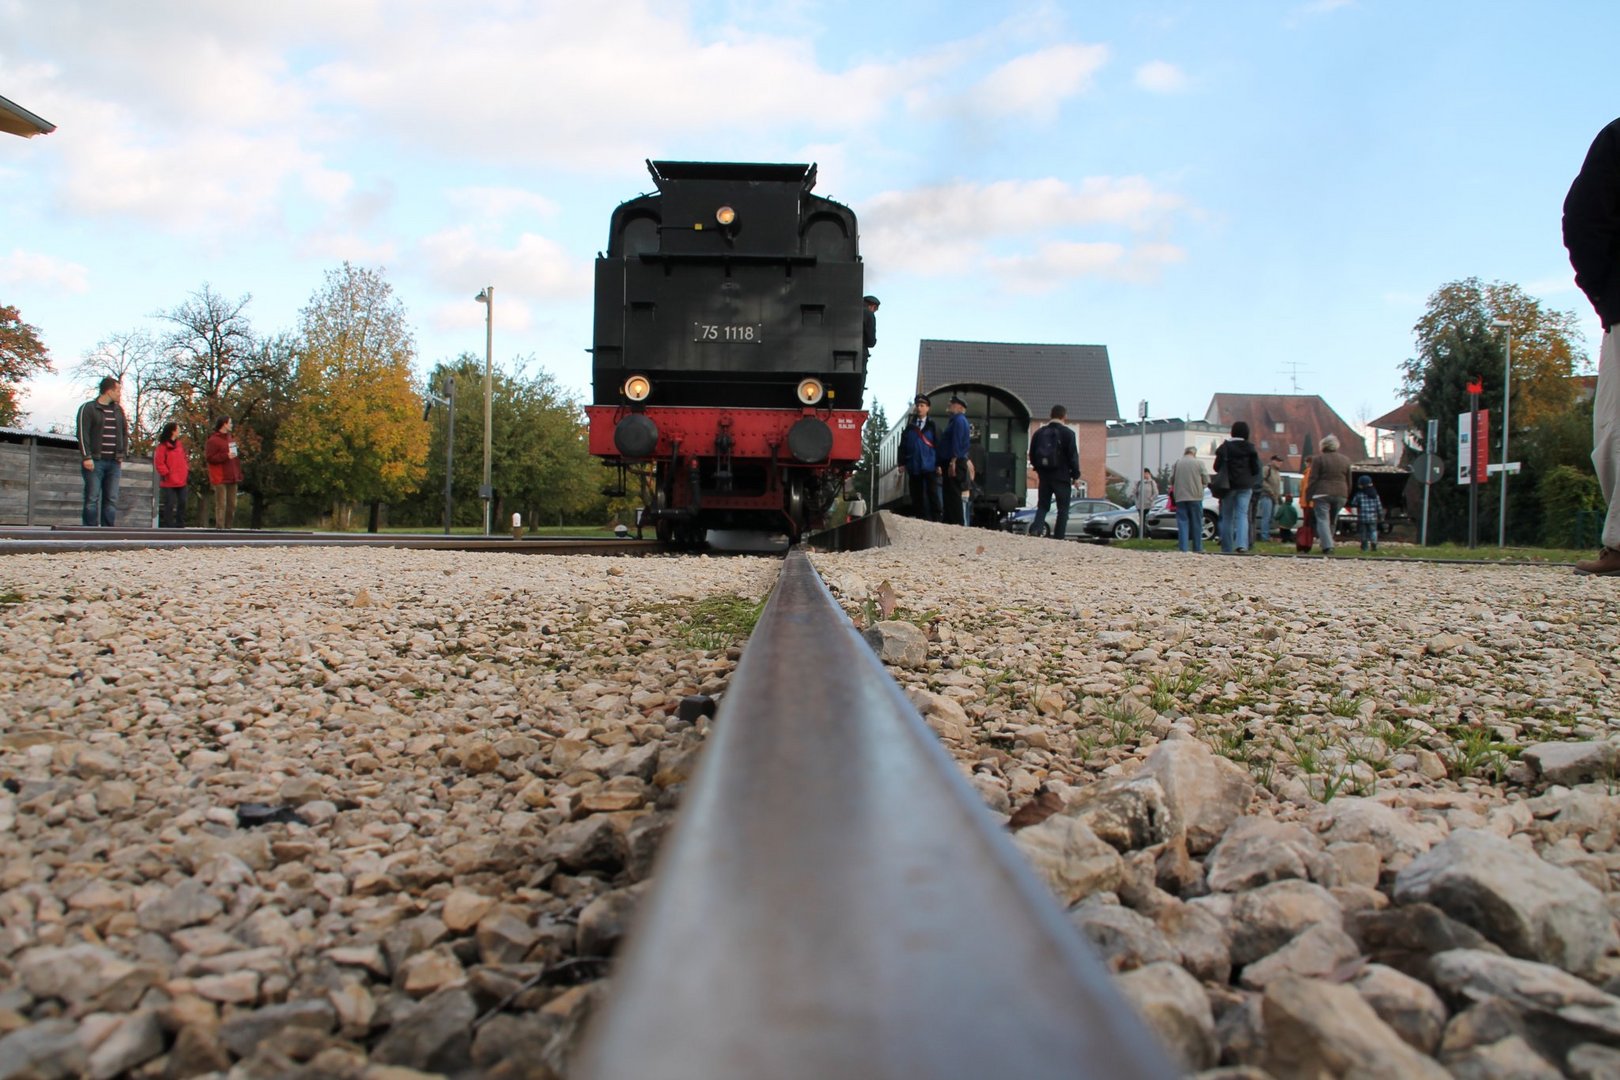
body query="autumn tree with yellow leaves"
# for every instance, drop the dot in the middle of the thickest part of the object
(355, 433)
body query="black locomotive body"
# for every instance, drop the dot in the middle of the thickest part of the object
(728, 348)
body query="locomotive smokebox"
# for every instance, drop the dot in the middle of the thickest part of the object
(810, 441)
(636, 436)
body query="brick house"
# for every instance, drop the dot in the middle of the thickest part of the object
(1288, 425)
(1078, 377)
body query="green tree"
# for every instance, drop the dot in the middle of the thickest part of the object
(872, 435)
(354, 432)
(1457, 342)
(540, 465)
(22, 356)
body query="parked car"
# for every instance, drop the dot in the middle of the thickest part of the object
(1162, 518)
(1119, 523)
(1079, 509)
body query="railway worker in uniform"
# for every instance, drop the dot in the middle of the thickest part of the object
(103, 445)
(918, 452)
(1592, 235)
(1055, 453)
(958, 475)
(1187, 482)
(869, 326)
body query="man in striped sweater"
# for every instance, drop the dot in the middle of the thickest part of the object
(103, 445)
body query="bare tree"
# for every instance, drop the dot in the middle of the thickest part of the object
(134, 359)
(209, 353)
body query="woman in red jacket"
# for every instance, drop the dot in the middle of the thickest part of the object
(173, 469)
(224, 471)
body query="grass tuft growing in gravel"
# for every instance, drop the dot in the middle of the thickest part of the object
(719, 622)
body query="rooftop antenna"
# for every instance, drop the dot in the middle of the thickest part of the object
(1294, 371)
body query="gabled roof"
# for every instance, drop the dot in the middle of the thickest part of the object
(1396, 419)
(1077, 377)
(1301, 415)
(19, 121)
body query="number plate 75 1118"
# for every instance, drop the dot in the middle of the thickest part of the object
(734, 333)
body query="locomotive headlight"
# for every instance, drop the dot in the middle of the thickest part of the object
(810, 391)
(725, 215)
(636, 388)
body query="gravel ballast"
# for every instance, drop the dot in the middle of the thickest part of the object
(284, 812)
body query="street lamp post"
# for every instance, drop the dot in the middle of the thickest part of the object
(486, 296)
(1507, 381)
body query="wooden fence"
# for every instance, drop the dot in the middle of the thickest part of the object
(42, 483)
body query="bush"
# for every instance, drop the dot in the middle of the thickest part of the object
(1565, 491)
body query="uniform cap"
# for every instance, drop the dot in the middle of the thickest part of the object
(920, 399)
(872, 300)
(958, 401)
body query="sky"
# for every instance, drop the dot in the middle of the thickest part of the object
(1239, 197)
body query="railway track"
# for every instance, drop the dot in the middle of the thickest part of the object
(836, 901)
(19, 540)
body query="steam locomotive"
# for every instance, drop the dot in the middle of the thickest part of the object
(728, 354)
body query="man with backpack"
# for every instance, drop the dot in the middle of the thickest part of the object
(1054, 453)
(917, 454)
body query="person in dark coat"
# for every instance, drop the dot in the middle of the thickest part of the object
(173, 468)
(224, 471)
(103, 444)
(919, 455)
(958, 469)
(869, 326)
(1238, 462)
(1057, 468)
(1592, 235)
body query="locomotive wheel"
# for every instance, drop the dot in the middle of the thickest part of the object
(794, 505)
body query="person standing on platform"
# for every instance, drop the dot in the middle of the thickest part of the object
(173, 467)
(1238, 461)
(958, 475)
(1592, 237)
(1055, 454)
(103, 445)
(919, 454)
(1329, 489)
(1267, 498)
(1147, 489)
(1369, 511)
(1187, 483)
(224, 471)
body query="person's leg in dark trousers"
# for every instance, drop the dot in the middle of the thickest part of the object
(1042, 505)
(108, 473)
(1063, 492)
(91, 514)
(953, 498)
(919, 484)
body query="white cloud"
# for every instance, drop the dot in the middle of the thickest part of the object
(498, 203)
(1054, 263)
(957, 228)
(1038, 82)
(34, 269)
(1161, 77)
(535, 267)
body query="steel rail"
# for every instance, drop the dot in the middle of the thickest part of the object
(35, 541)
(836, 901)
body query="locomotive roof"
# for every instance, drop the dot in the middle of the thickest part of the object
(732, 170)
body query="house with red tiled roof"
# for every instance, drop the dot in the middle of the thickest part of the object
(1397, 422)
(1290, 426)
